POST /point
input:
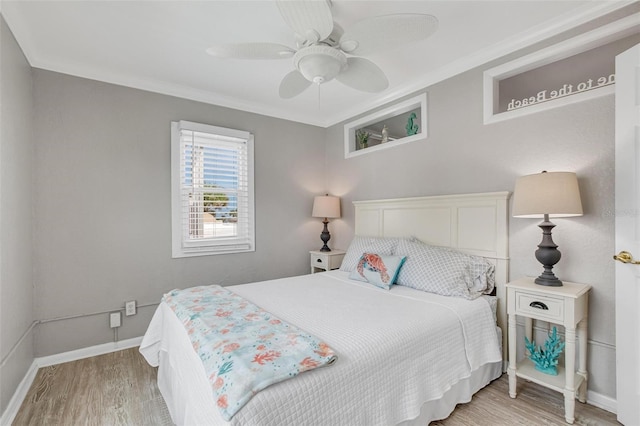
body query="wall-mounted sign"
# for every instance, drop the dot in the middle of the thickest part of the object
(565, 90)
(572, 71)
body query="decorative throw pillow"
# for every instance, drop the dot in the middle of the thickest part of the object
(444, 271)
(378, 270)
(360, 245)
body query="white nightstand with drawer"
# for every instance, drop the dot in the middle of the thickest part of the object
(326, 260)
(567, 306)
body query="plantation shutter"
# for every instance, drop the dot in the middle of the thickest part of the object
(215, 189)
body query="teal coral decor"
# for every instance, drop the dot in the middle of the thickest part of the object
(546, 360)
(412, 128)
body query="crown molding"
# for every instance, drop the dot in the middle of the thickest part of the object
(175, 90)
(539, 33)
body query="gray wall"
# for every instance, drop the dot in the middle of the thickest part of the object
(102, 205)
(462, 155)
(16, 149)
(100, 200)
(592, 64)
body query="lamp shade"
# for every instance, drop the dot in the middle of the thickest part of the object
(553, 193)
(326, 206)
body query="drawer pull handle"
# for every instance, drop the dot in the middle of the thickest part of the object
(539, 305)
(319, 260)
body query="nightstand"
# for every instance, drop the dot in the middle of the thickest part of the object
(566, 306)
(326, 260)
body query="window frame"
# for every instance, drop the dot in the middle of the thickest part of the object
(181, 246)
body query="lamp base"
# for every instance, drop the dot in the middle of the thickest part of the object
(547, 254)
(325, 236)
(551, 281)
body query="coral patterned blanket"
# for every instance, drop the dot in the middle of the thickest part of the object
(243, 348)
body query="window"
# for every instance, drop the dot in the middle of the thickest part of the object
(211, 190)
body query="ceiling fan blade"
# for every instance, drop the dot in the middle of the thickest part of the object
(293, 84)
(362, 74)
(251, 51)
(310, 19)
(383, 32)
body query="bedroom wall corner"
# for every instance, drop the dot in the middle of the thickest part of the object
(102, 175)
(462, 155)
(16, 262)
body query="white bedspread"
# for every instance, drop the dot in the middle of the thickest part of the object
(396, 350)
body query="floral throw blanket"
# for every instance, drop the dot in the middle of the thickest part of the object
(243, 348)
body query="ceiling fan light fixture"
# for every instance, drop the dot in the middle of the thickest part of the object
(319, 63)
(323, 46)
(349, 45)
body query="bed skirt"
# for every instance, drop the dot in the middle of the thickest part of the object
(459, 393)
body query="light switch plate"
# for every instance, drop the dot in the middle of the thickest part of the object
(115, 319)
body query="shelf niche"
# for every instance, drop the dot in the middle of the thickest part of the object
(574, 70)
(396, 118)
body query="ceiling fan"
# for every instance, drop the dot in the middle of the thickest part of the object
(325, 51)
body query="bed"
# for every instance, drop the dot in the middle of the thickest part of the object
(404, 356)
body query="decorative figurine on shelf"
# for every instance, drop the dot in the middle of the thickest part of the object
(546, 360)
(412, 128)
(362, 138)
(385, 134)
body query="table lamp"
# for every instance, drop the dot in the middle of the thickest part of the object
(327, 207)
(545, 195)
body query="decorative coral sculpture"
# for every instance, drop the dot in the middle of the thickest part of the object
(546, 360)
(411, 127)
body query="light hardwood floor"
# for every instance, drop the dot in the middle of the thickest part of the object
(120, 389)
(113, 389)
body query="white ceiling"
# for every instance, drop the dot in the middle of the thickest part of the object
(160, 46)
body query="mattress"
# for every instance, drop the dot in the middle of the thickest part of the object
(400, 352)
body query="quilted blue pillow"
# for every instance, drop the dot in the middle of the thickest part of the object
(379, 270)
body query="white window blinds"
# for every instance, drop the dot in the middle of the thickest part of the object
(212, 190)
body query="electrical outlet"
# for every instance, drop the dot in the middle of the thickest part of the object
(130, 308)
(115, 319)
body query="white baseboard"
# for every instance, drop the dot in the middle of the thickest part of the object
(102, 349)
(602, 401)
(593, 398)
(19, 395)
(21, 392)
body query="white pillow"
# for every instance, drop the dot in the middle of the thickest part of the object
(360, 245)
(380, 271)
(444, 271)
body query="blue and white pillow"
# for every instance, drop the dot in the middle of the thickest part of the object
(359, 245)
(379, 270)
(444, 271)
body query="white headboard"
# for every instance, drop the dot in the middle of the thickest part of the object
(472, 223)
